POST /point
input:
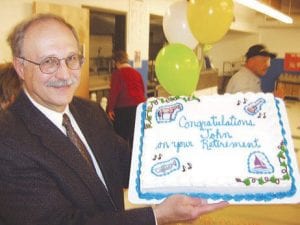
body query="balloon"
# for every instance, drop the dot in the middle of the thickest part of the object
(202, 50)
(207, 48)
(177, 69)
(209, 20)
(176, 27)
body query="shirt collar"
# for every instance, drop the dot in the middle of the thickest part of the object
(53, 116)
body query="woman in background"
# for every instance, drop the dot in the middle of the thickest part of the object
(126, 92)
(10, 85)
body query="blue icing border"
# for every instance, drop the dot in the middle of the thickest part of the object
(215, 196)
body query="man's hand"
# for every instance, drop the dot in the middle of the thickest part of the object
(178, 208)
(111, 115)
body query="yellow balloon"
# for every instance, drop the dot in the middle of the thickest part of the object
(206, 48)
(209, 20)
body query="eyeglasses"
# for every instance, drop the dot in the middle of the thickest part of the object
(51, 64)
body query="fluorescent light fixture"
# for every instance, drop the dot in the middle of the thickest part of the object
(265, 9)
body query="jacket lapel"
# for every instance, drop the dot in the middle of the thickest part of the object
(54, 140)
(100, 150)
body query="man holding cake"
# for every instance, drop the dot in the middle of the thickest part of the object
(247, 79)
(61, 161)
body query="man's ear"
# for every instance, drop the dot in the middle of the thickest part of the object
(19, 67)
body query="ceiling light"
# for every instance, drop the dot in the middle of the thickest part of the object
(265, 9)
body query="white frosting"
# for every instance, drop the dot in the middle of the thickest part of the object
(182, 152)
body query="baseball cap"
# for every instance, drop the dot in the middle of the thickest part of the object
(256, 50)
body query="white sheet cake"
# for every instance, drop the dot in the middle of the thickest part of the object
(215, 147)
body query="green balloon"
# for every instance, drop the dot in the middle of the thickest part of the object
(177, 69)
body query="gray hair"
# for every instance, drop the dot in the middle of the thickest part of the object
(16, 37)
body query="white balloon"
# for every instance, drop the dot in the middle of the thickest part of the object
(176, 27)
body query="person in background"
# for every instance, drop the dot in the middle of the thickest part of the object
(248, 78)
(10, 85)
(126, 92)
(268, 82)
(61, 161)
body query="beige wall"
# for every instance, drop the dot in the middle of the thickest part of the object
(235, 44)
(281, 40)
(231, 48)
(11, 12)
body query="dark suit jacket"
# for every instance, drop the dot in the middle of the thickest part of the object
(45, 180)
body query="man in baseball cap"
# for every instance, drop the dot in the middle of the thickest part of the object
(248, 78)
(259, 50)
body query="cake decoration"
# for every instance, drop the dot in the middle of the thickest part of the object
(214, 147)
(254, 107)
(168, 113)
(259, 163)
(166, 167)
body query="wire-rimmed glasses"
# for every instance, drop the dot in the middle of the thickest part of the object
(51, 64)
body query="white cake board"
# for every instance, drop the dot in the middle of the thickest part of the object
(133, 195)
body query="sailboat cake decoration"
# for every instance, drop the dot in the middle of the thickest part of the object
(258, 163)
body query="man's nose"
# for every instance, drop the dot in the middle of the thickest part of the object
(63, 72)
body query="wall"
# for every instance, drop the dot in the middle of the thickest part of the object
(11, 12)
(231, 48)
(244, 31)
(251, 28)
(159, 7)
(281, 40)
(235, 44)
(244, 20)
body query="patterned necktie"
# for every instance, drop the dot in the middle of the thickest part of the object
(71, 133)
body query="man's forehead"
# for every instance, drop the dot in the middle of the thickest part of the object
(46, 25)
(47, 29)
(260, 58)
(48, 38)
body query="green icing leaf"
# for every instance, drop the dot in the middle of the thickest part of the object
(247, 181)
(273, 179)
(283, 148)
(281, 155)
(283, 164)
(261, 180)
(286, 177)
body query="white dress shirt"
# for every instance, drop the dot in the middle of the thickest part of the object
(56, 118)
